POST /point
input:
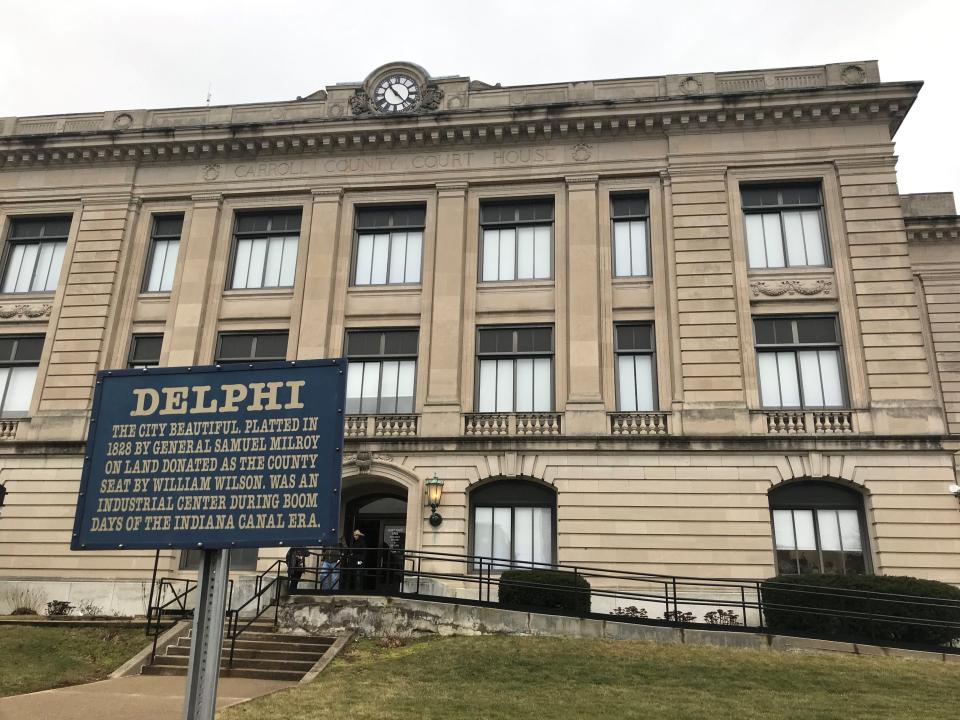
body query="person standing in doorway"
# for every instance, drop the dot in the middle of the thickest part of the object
(296, 562)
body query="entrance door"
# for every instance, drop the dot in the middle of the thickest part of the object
(377, 556)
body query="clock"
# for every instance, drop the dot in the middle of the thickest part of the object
(396, 93)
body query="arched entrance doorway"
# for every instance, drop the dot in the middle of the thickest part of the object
(377, 508)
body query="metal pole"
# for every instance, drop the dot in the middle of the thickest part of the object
(204, 669)
(153, 583)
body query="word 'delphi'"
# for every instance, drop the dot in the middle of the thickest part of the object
(228, 398)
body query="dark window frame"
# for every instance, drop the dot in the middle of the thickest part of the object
(505, 485)
(517, 223)
(16, 362)
(10, 241)
(131, 354)
(652, 352)
(237, 235)
(384, 357)
(780, 208)
(822, 495)
(614, 219)
(391, 227)
(256, 335)
(795, 347)
(515, 354)
(155, 236)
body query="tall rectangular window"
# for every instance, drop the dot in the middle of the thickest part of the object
(517, 242)
(251, 347)
(145, 351)
(636, 369)
(785, 225)
(382, 371)
(515, 369)
(265, 253)
(631, 243)
(164, 247)
(799, 362)
(389, 245)
(34, 254)
(19, 357)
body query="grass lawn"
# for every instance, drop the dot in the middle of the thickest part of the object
(508, 677)
(39, 658)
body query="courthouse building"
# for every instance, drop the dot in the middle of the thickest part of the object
(681, 324)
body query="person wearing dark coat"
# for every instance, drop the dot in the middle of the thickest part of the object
(296, 562)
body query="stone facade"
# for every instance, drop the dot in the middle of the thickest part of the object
(679, 489)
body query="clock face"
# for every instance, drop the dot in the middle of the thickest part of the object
(396, 93)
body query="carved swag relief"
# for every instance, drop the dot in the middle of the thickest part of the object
(791, 287)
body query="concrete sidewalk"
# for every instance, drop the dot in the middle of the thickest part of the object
(139, 697)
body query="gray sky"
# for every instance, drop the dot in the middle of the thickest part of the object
(85, 55)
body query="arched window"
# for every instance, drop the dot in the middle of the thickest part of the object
(819, 527)
(515, 520)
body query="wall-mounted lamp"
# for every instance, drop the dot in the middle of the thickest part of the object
(3, 494)
(434, 493)
(953, 489)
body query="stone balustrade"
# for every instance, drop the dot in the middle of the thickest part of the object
(638, 423)
(361, 426)
(800, 422)
(8, 429)
(492, 424)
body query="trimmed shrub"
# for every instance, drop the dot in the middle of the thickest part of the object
(548, 589)
(825, 613)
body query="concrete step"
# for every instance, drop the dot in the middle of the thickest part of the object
(287, 675)
(245, 643)
(312, 656)
(240, 664)
(277, 637)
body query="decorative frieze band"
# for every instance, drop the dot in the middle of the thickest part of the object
(29, 312)
(777, 288)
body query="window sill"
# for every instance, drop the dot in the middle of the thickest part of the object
(259, 293)
(12, 296)
(154, 296)
(643, 281)
(391, 288)
(794, 270)
(494, 285)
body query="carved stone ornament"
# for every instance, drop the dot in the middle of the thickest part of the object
(791, 287)
(429, 100)
(691, 86)
(364, 460)
(853, 75)
(581, 152)
(123, 121)
(211, 172)
(25, 311)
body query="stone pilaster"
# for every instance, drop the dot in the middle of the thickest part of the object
(316, 314)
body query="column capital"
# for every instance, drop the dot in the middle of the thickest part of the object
(207, 199)
(582, 182)
(327, 194)
(451, 189)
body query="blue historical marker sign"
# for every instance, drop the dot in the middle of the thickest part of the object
(214, 457)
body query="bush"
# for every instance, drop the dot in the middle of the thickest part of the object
(549, 589)
(58, 608)
(22, 599)
(856, 594)
(23, 611)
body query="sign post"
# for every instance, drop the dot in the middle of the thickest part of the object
(210, 459)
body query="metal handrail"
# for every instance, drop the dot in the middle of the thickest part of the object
(178, 598)
(234, 630)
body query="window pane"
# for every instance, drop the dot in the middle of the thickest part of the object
(483, 531)
(638, 247)
(644, 374)
(524, 401)
(783, 530)
(388, 387)
(381, 248)
(288, 265)
(27, 267)
(398, 256)
(354, 386)
(258, 257)
(169, 266)
(414, 244)
(491, 254)
(769, 380)
(405, 383)
(364, 259)
(817, 330)
(803, 522)
(542, 535)
(274, 256)
(829, 529)
(525, 253)
(501, 533)
(235, 347)
(487, 400)
(772, 239)
(812, 237)
(28, 349)
(241, 265)
(504, 385)
(832, 382)
(850, 530)
(542, 385)
(271, 346)
(622, 266)
(19, 389)
(810, 376)
(371, 386)
(523, 534)
(14, 262)
(789, 384)
(43, 267)
(508, 240)
(756, 247)
(542, 256)
(157, 262)
(627, 379)
(55, 266)
(796, 250)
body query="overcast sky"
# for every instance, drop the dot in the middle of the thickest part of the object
(86, 55)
